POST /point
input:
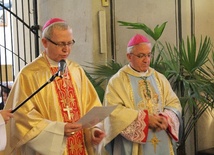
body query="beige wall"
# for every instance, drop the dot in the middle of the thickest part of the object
(206, 130)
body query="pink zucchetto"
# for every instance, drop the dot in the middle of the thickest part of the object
(137, 39)
(52, 21)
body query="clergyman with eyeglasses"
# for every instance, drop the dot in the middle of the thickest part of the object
(146, 120)
(45, 125)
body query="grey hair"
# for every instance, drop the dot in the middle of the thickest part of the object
(130, 48)
(48, 31)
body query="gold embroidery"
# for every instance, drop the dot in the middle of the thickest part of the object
(66, 97)
(149, 97)
(154, 141)
(77, 147)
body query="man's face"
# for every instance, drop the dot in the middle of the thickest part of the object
(140, 57)
(59, 46)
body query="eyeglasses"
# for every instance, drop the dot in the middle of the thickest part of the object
(142, 55)
(62, 44)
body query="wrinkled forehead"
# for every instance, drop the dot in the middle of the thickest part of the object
(142, 48)
(48, 32)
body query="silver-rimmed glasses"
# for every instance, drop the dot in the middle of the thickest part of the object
(142, 55)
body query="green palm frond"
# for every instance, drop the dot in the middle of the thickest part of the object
(192, 58)
(101, 75)
(105, 71)
(155, 34)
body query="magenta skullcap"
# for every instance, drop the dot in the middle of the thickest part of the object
(137, 39)
(52, 21)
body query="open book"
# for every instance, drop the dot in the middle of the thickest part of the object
(95, 115)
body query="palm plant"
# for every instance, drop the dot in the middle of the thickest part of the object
(189, 70)
(185, 67)
(101, 74)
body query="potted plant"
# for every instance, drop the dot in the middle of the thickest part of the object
(187, 69)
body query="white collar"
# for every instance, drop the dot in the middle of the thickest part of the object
(141, 73)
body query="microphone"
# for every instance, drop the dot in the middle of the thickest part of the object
(61, 66)
(61, 71)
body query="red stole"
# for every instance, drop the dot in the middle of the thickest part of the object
(69, 106)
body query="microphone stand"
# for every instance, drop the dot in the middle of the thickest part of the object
(49, 81)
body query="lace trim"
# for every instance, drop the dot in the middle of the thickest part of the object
(136, 130)
(173, 122)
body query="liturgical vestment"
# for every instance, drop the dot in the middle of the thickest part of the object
(139, 95)
(2, 133)
(38, 126)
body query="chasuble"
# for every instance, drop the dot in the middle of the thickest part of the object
(139, 95)
(38, 126)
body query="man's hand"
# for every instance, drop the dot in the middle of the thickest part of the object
(71, 128)
(97, 135)
(6, 114)
(157, 122)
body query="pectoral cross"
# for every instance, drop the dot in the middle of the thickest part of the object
(68, 110)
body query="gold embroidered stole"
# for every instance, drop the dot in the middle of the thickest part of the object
(149, 97)
(149, 102)
(70, 112)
